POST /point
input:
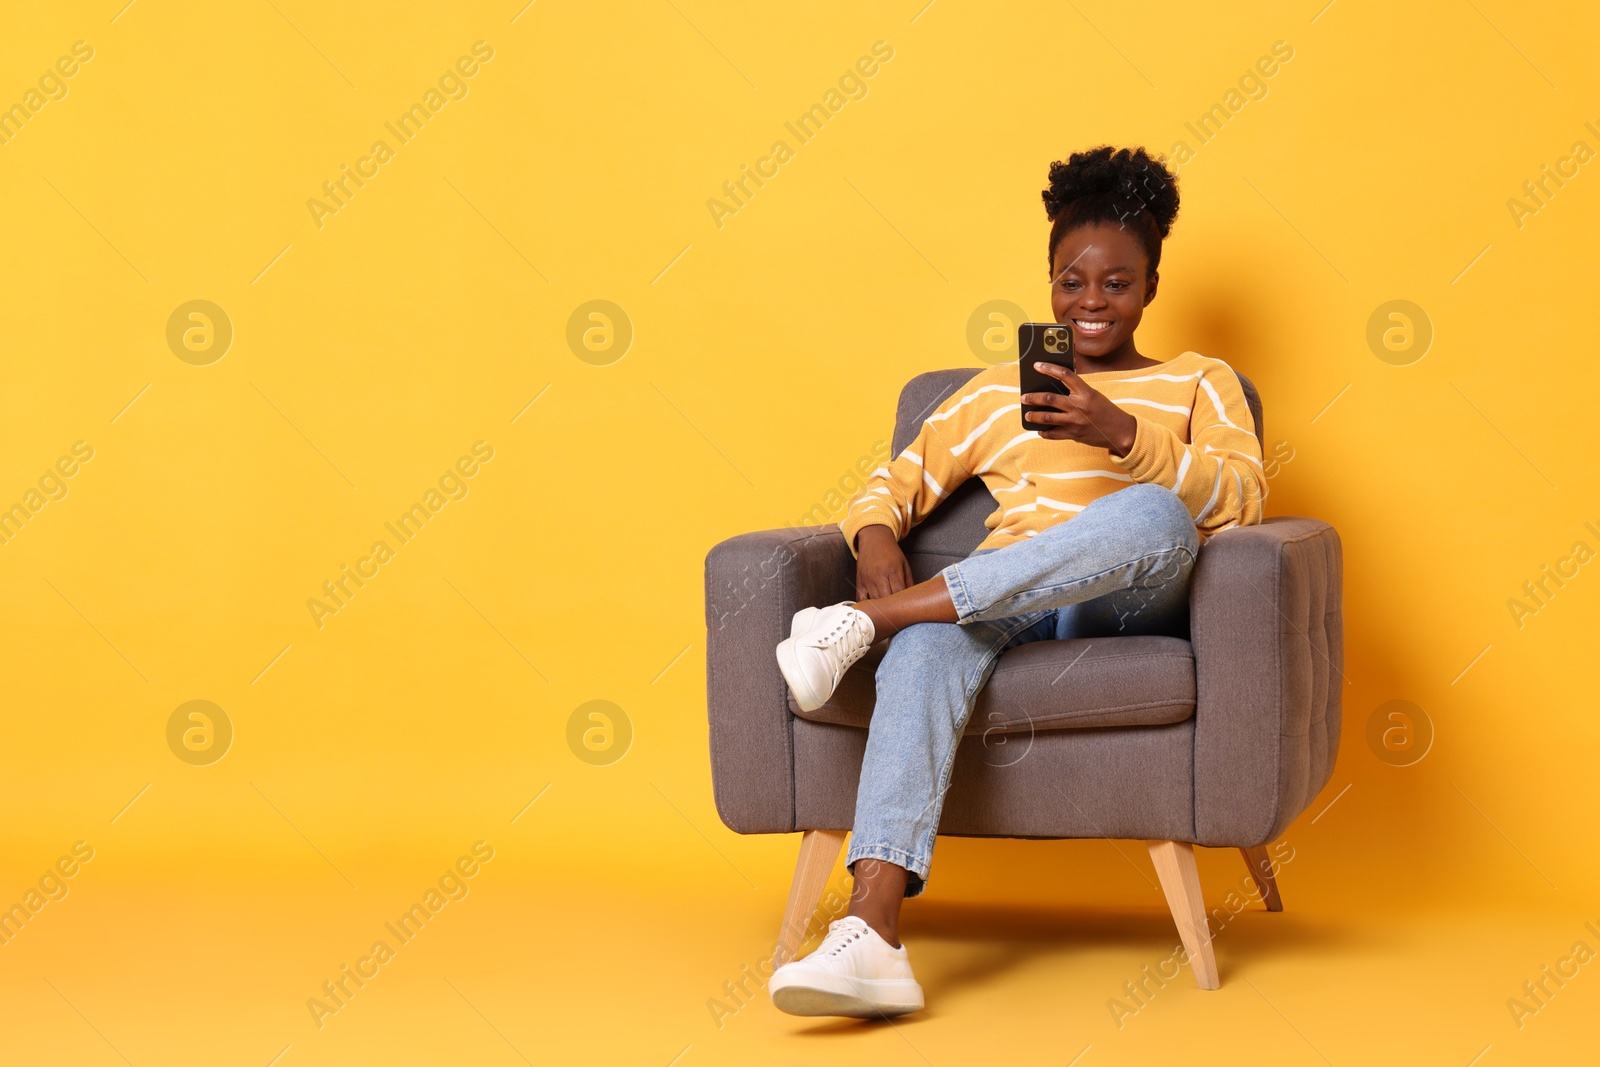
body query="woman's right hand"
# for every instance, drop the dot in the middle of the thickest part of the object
(881, 567)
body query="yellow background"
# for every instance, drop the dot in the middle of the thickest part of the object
(370, 353)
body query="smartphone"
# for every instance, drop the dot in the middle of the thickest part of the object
(1042, 342)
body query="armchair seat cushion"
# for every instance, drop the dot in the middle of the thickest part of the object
(1053, 685)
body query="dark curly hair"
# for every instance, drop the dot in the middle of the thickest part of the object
(1127, 186)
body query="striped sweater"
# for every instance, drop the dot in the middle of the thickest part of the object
(1195, 436)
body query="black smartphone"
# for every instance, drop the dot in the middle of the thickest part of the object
(1042, 342)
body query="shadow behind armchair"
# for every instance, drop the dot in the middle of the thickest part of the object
(1219, 740)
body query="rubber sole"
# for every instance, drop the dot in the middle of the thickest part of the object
(853, 998)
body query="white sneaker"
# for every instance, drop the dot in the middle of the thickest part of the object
(814, 659)
(802, 621)
(853, 972)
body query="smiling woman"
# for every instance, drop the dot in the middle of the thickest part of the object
(1099, 520)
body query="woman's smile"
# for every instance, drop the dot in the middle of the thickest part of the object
(1101, 287)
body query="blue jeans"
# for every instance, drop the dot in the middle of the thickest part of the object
(1120, 566)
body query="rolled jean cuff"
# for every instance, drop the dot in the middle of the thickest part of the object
(959, 597)
(916, 868)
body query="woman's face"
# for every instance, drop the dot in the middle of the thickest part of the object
(1101, 285)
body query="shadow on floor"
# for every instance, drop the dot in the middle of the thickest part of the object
(993, 939)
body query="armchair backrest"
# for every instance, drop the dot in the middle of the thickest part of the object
(956, 527)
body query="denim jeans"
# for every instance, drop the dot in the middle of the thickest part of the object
(1120, 566)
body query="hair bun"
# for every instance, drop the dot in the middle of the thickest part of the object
(1130, 179)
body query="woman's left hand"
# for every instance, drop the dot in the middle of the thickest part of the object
(1084, 415)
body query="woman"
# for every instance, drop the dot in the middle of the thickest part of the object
(1099, 520)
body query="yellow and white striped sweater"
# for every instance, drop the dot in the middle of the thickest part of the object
(1196, 436)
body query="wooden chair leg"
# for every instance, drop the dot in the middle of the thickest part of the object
(1260, 865)
(818, 850)
(1180, 880)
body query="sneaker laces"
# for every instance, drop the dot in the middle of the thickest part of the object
(852, 623)
(841, 935)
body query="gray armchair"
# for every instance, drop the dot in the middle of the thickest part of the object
(1218, 740)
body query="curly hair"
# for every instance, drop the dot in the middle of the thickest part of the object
(1127, 186)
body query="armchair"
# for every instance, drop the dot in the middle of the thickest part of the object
(1219, 740)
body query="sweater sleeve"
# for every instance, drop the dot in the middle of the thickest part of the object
(901, 494)
(1218, 474)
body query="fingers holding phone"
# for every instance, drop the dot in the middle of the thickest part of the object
(1060, 405)
(1042, 345)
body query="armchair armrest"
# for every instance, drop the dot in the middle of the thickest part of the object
(754, 584)
(1267, 631)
